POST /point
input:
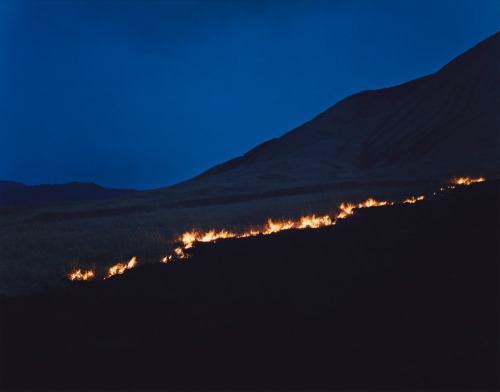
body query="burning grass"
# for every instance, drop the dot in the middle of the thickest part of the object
(120, 268)
(274, 226)
(466, 180)
(188, 238)
(413, 199)
(34, 255)
(79, 275)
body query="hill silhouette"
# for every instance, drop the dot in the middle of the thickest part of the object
(434, 127)
(15, 193)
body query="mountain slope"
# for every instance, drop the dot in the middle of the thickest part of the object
(440, 125)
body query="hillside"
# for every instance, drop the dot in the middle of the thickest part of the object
(435, 127)
(387, 144)
(400, 297)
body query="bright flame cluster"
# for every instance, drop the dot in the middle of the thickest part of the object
(78, 275)
(117, 269)
(413, 199)
(272, 226)
(120, 268)
(466, 180)
(190, 237)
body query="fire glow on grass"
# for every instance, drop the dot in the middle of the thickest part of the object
(413, 199)
(466, 180)
(272, 226)
(117, 269)
(275, 226)
(120, 268)
(78, 275)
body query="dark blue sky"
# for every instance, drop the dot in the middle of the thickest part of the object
(145, 94)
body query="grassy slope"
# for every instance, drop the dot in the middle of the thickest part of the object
(402, 297)
(40, 244)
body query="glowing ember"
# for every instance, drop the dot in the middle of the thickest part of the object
(166, 259)
(413, 199)
(120, 268)
(78, 275)
(466, 180)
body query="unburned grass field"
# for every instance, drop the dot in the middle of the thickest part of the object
(41, 245)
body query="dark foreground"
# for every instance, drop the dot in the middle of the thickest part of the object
(402, 297)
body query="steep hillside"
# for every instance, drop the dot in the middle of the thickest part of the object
(433, 127)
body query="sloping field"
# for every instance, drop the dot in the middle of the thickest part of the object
(41, 244)
(396, 297)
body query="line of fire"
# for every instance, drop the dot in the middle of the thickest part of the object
(188, 239)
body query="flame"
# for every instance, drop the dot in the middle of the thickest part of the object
(348, 208)
(180, 253)
(345, 210)
(373, 203)
(466, 180)
(314, 222)
(120, 268)
(166, 259)
(190, 237)
(413, 199)
(273, 226)
(250, 233)
(78, 275)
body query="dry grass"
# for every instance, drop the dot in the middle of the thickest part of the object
(40, 245)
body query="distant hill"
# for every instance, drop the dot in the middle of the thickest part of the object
(434, 127)
(15, 193)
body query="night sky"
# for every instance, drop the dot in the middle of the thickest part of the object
(145, 94)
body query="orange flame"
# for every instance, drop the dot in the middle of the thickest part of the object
(166, 259)
(413, 199)
(373, 203)
(313, 222)
(120, 268)
(273, 226)
(190, 237)
(466, 180)
(180, 252)
(78, 275)
(345, 210)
